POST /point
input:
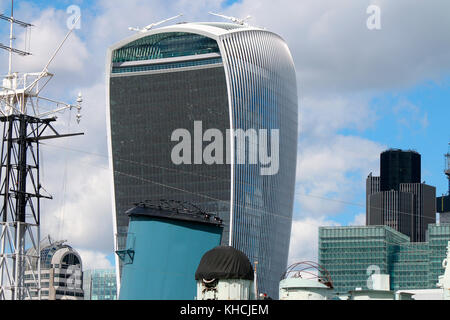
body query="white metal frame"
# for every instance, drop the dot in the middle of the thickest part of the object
(20, 94)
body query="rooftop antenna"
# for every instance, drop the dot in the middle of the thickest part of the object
(27, 117)
(241, 22)
(150, 26)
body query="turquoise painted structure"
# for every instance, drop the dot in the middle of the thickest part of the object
(163, 250)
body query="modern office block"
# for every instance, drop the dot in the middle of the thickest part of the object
(394, 209)
(439, 236)
(372, 186)
(217, 76)
(443, 204)
(410, 266)
(443, 208)
(352, 254)
(444, 217)
(61, 272)
(100, 284)
(424, 212)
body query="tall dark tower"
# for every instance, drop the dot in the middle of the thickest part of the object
(398, 198)
(398, 166)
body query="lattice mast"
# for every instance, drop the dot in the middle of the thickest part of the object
(26, 116)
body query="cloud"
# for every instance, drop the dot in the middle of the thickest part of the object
(94, 260)
(49, 31)
(81, 209)
(333, 167)
(360, 220)
(334, 51)
(410, 116)
(304, 239)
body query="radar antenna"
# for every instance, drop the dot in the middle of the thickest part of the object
(150, 26)
(241, 22)
(27, 117)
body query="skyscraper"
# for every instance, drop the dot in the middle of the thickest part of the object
(398, 198)
(212, 77)
(61, 272)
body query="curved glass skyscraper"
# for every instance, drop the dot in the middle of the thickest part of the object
(208, 79)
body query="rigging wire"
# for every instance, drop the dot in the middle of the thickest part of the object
(216, 199)
(64, 189)
(206, 176)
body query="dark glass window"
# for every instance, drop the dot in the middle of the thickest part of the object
(165, 45)
(145, 110)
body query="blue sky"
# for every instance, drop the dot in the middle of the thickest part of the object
(425, 129)
(359, 90)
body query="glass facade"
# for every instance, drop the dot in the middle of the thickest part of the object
(145, 110)
(438, 238)
(251, 85)
(165, 45)
(100, 284)
(172, 65)
(352, 254)
(263, 95)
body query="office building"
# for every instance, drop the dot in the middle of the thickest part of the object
(100, 284)
(443, 208)
(397, 198)
(352, 254)
(61, 272)
(219, 76)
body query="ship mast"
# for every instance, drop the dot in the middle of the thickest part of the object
(27, 116)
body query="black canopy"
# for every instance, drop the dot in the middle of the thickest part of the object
(224, 262)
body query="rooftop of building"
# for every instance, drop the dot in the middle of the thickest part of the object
(381, 231)
(51, 251)
(174, 210)
(300, 283)
(212, 30)
(401, 150)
